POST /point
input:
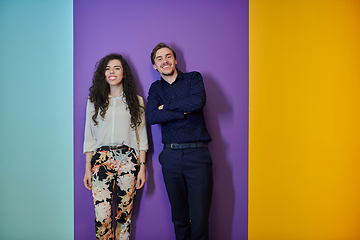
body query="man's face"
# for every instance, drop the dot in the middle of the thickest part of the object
(165, 62)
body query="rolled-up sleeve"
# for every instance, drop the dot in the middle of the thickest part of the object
(142, 134)
(89, 139)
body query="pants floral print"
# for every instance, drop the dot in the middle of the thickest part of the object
(114, 166)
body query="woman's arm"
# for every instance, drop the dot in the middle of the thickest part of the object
(88, 173)
(141, 178)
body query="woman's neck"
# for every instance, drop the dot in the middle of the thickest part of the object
(115, 91)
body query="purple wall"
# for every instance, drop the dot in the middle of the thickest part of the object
(208, 36)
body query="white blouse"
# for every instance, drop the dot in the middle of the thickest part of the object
(115, 128)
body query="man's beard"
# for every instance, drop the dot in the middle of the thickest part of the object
(169, 74)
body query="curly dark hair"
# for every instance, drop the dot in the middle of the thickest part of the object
(100, 90)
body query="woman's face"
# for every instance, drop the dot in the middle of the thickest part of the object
(114, 72)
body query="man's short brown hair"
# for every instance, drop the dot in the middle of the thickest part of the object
(158, 47)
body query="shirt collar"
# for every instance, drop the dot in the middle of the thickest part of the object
(121, 94)
(180, 75)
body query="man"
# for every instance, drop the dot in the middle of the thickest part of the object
(176, 102)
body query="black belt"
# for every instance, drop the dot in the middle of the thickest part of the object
(112, 148)
(185, 145)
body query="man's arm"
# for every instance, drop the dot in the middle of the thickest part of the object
(156, 116)
(196, 100)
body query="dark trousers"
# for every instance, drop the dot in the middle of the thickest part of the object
(189, 181)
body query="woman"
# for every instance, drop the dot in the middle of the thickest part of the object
(115, 144)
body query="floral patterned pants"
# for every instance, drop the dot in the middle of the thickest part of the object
(114, 166)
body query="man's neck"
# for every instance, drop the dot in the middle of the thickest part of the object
(170, 79)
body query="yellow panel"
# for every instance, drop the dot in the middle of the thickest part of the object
(304, 174)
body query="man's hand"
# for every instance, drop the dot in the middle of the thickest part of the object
(161, 107)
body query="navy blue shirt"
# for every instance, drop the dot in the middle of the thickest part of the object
(185, 95)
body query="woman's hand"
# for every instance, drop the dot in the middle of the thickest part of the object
(141, 177)
(87, 180)
(88, 172)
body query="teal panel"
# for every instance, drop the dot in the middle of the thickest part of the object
(36, 121)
